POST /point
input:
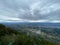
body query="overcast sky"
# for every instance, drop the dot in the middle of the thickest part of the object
(30, 10)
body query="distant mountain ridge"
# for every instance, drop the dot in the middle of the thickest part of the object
(46, 24)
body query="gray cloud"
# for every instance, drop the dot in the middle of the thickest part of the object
(30, 9)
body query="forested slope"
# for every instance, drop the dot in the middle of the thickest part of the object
(10, 36)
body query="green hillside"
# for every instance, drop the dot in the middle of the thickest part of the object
(10, 36)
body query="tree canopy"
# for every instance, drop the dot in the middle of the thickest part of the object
(10, 36)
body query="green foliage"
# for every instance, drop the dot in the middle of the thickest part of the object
(10, 36)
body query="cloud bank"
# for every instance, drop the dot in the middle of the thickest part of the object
(30, 10)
